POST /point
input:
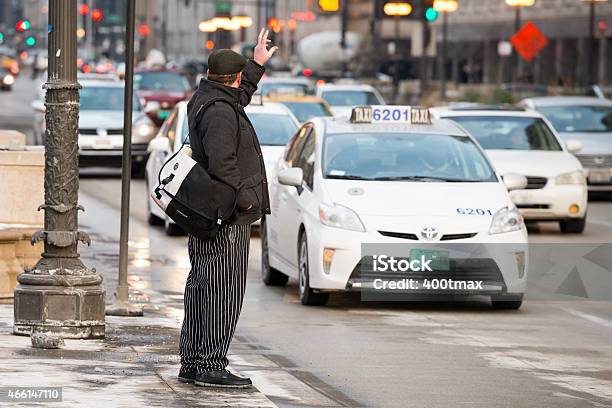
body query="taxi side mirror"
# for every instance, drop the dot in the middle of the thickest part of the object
(514, 181)
(292, 176)
(573, 146)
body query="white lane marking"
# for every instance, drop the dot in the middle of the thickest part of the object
(591, 318)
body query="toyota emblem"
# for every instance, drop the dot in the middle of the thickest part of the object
(429, 233)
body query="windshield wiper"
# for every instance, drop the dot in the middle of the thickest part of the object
(424, 179)
(345, 177)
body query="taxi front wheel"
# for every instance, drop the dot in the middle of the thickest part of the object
(507, 302)
(269, 275)
(307, 295)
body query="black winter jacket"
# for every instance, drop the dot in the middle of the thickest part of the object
(238, 163)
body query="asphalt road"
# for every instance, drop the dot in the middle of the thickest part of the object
(553, 352)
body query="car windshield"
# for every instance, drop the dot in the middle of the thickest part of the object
(160, 81)
(304, 111)
(268, 87)
(579, 118)
(510, 133)
(350, 98)
(404, 157)
(104, 98)
(273, 130)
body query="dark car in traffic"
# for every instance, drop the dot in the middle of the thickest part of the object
(160, 90)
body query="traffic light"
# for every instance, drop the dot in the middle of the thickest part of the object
(1, 38)
(97, 15)
(329, 6)
(30, 41)
(431, 15)
(83, 9)
(144, 30)
(23, 25)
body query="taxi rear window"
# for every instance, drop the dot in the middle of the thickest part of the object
(404, 156)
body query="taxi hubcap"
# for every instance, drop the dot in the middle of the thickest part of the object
(303, 265)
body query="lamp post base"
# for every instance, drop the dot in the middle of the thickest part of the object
(69, 306)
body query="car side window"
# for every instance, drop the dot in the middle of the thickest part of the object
(172, 127)
(306, 158)
(295, 145)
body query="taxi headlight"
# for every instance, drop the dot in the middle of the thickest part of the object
(506, 220)
(573, 177)
(338, 216)
(143, 129)
(8, 80)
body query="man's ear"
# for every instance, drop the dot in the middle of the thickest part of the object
(239, 78)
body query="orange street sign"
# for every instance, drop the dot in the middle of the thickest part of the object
(529, 41)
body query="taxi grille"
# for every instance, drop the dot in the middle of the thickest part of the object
(482, 269)
(534, 183)
(414, 237)
(400, 235)
(94, 132)
(596, 160)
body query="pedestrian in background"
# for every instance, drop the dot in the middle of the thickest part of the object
(225, 143)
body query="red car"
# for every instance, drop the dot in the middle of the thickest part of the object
(159, 90)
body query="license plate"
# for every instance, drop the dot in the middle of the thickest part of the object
(439, 259)
(102, 142)
(599, 176)
(163, 114)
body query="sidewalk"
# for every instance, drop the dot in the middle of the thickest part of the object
(137, 363)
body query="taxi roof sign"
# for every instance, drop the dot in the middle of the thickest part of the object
(415, 115)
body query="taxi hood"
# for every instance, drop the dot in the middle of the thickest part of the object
(533, 163)
(402, 199)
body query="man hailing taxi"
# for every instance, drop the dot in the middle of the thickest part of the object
(223, 140)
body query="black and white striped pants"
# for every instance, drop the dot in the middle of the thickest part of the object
(213, 297)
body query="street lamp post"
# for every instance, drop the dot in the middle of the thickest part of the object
(121, 306)
(60, 294)
(445, 7)
(397, 10)
(518, 5)
(590, 74)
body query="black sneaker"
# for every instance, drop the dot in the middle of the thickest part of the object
(187, 376)
(222, 379)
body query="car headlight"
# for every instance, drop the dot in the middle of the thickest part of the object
(143, 129)
(338, 216)
(8, 80)
(573, 177)
(506, 220)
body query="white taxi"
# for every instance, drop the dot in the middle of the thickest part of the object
(389, 175)
(523, 142)
(273, 122)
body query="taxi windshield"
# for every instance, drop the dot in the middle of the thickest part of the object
(404, 157)
(273, 130)
(304, 111)
(510, 133)
(350, 98)
(573, 119)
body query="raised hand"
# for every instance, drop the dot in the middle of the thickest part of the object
(262, 54)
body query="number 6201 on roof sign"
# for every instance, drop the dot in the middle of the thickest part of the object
(390, 114)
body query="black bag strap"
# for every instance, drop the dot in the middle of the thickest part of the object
(199, 114)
